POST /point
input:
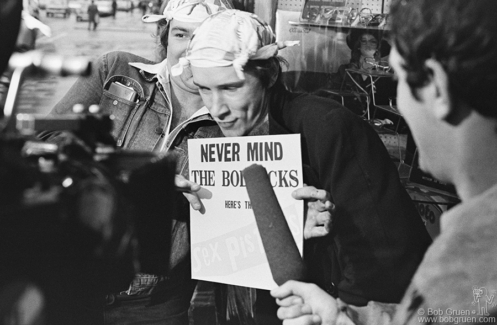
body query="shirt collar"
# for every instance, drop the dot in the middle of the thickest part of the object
(162, 72)
(200, 112)
(159, 70)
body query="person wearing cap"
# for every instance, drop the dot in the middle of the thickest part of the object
(377, 239)
(163, 114)
(152, 111)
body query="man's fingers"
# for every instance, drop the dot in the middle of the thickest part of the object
(289, 301)
(317, 225)
(310, 193)
(194, 200)
(318, 232)
(189, 190)
(322, 206)
(330, 206)
(292, 287)
(320, 219)
(283, 291)
(183, 184)
(293, 311)
(304, 320)
(324, 219)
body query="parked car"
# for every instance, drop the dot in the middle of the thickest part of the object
(57, 7)
(104, 7)
(76, 5)
(125, 5)
(82, 14)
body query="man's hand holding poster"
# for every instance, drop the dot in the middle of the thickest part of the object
(225, 243)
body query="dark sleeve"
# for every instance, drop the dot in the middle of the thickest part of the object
(86, 91)
(378, 237)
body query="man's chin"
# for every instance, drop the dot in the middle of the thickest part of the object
(435, 169)
(231, 132)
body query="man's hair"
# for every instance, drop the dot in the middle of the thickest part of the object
(162, 36)
(264, 70)
(461, 35)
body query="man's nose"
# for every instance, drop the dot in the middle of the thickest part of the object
(218, 106)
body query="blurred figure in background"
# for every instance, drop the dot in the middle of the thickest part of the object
(367, 48)
(143, 6)
(114, 8)
(93, 15)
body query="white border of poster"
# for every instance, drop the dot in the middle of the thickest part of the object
(225, 243)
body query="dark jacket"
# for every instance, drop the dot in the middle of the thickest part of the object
(377, 239)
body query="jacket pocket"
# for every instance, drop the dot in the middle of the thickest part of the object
(121, 109)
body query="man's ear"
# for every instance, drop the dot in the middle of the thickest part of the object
(440, 81)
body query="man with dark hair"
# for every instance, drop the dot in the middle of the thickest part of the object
(444, 57)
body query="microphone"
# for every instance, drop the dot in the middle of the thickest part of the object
(281, 250)
(51, 63)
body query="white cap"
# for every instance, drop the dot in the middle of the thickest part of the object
(230, 38)
(189, 11)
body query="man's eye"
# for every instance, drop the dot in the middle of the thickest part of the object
(230, 88)
(180, 35)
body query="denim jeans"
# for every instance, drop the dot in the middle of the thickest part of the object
(169, 307)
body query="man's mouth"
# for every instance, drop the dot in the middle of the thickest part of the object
(226, 124)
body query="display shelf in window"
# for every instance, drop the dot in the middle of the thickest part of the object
(342, 13)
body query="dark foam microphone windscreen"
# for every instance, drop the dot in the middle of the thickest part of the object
(281, 250)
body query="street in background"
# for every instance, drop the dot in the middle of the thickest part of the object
(72, 38)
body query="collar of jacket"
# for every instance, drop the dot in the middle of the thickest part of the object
(152, 71)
